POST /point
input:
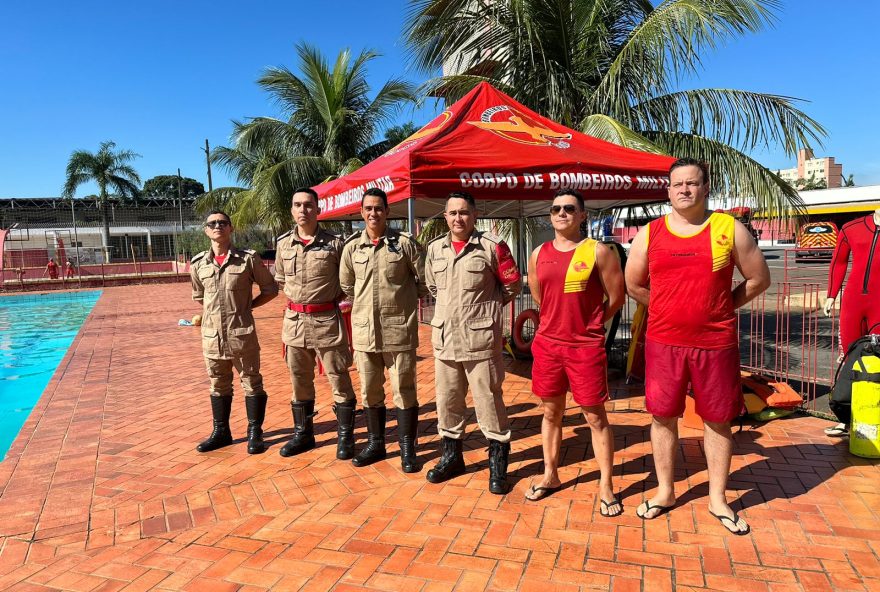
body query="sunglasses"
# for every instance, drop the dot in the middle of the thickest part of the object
(218, 224)
(569, 209)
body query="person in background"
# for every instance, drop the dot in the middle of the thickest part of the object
(51, 269)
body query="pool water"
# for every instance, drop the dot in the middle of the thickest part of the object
(35, 332)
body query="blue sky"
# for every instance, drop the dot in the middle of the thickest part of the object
(160, 77)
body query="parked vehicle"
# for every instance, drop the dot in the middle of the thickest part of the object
(816, 240)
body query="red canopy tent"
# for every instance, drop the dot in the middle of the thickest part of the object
(507, 156)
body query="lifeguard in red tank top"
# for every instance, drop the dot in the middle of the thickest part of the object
(572, 297)
(691, 301)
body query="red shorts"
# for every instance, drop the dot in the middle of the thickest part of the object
(559, 368)
(712, 373)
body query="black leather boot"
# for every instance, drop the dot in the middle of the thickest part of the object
(375, 450)
(499, 453)
(303, 429)
(407, 428)
(221, 436)
(451, 463)
(256, 413)
(344, 429)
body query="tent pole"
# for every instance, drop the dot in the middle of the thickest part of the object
(411, 215)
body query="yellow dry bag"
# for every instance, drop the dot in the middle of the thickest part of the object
(864, 434)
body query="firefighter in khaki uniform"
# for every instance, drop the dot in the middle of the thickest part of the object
(307, 264)
(473, 275)
(383, 270)
(222, 278)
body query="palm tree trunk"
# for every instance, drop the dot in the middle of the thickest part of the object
(105, 231)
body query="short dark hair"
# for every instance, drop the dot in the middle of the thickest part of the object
(684, 162)
(574, 193)
(376, 192)
(308, 190)
(465, 196)
(222, 213)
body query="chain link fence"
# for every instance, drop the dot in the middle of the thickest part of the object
(54, 242)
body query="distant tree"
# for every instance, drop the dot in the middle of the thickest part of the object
(810, 184)
(849, 181)
(167, 185)
(110, 170)
(330, 118)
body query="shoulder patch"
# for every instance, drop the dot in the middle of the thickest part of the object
(198, 256)
(249, 251)
(285, 235)
(436, 238)
(352, 236)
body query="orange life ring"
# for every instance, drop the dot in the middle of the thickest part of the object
(522, 344)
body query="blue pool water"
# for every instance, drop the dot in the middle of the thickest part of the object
(35, 332)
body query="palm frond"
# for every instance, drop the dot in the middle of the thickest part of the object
(667, 44)
(743, 119)
(221, 198)
(609, 129)
(732, 173)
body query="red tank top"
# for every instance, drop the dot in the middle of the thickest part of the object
(691, 281)
(572, 296)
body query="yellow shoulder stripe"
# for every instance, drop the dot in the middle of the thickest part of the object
(582, 263)
(722, 229)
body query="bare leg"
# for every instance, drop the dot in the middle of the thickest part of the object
(551, 439)
(718, 443)
(603, 448)
(664, 441)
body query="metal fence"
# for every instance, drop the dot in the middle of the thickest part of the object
(148, 239)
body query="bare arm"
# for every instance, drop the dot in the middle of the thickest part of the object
(637, 268)
(612, 279)
(534, 284)
(751, 264)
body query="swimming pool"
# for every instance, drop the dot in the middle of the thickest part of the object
(35, 332)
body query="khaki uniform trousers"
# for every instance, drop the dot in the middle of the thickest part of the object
(248, 366)
(485, 378)
(336, 360)
(402, 368)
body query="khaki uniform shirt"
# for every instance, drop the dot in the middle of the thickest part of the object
(471, 288)
(310, 275)
(225, 292)
(385, 281)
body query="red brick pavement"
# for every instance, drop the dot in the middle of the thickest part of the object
(103, 490)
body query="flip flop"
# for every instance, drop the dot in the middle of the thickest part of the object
(606, 506)
(543, 491)
(649, 507)
(733, 522)
(837, 431)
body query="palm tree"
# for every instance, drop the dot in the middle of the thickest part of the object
(328, 129)
(612, 68)
(110, 170)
